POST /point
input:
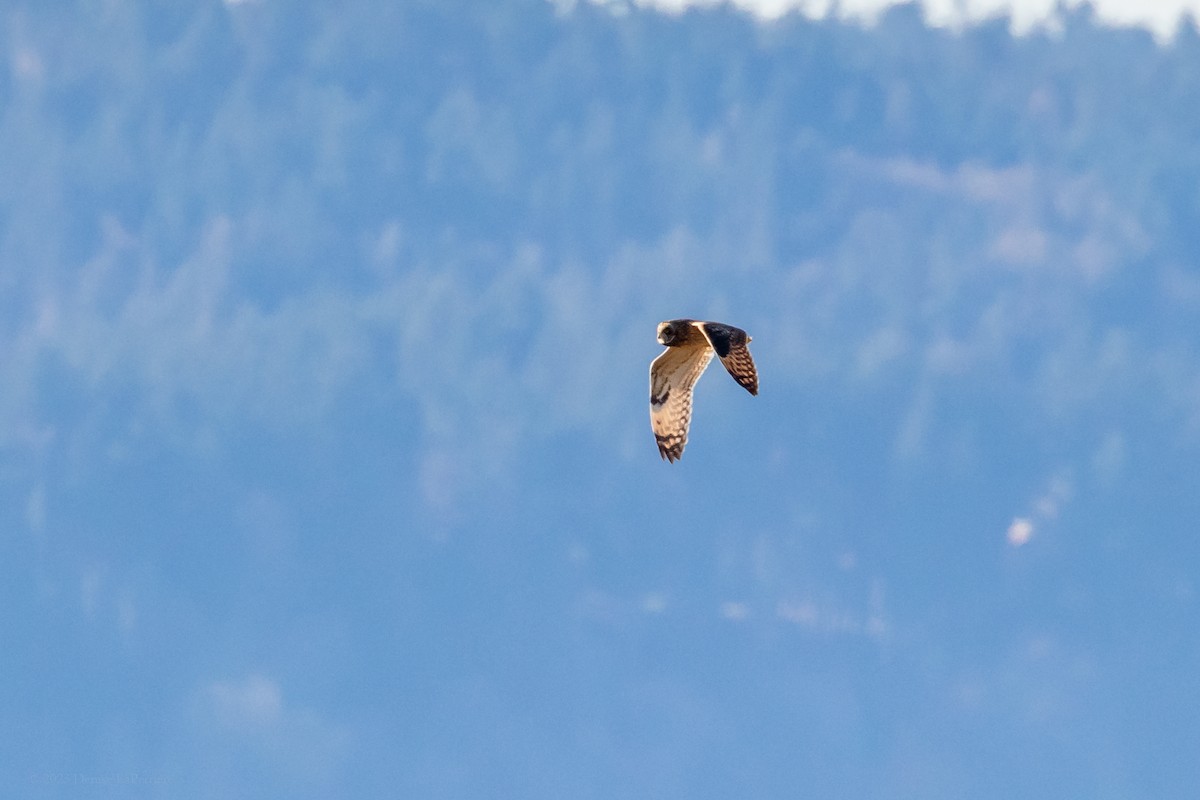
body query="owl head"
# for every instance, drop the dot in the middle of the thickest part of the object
(671, 332)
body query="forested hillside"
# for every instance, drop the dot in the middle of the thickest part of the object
(813, 174)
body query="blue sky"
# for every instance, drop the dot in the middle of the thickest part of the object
(315, 489)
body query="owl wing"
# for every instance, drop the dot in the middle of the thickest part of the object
(672, 376)
(731, 344)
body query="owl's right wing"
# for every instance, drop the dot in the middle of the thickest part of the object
(672, 376)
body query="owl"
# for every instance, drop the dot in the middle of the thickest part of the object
(690, 346)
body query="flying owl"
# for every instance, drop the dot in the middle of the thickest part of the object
(690, 346)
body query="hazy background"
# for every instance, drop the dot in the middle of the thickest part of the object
(325, 463)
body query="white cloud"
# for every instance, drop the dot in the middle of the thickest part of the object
(1109, 457)
(734, 610)
(654, 603)
(913, 430)
(881, 349)
(103, 601)
(1020, 531)
(35, 509)
(1044, 508)
(829, 617)
(254, 702)
(1057, 493)
(1021, 244)
(253, 712)
(1158, 16)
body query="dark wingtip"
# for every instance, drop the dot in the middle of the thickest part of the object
(670, 453)
(748, 382)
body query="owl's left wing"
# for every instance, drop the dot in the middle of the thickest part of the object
(731, 345)
(672, 376)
